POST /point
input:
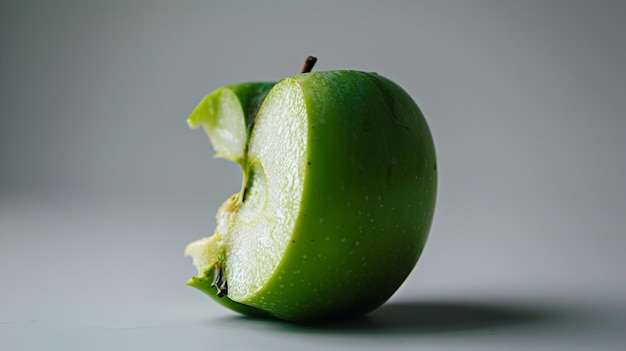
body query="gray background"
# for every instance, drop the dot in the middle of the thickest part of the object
(102, 184)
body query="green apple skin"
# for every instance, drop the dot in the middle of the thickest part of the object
(369, 197)
(204, 284)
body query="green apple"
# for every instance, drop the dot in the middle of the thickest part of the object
(337, 199)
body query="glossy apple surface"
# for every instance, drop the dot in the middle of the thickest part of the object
(338, 194)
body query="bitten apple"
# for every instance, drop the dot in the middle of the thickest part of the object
(337, 200)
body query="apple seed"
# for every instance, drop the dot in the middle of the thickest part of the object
(220, 281)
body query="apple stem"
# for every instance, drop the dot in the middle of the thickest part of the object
(309, 62)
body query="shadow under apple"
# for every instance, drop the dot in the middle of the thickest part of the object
(428, 317)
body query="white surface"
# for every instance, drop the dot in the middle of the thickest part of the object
(104, 275)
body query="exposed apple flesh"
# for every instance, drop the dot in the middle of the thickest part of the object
(227, 115)
(337, 201)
